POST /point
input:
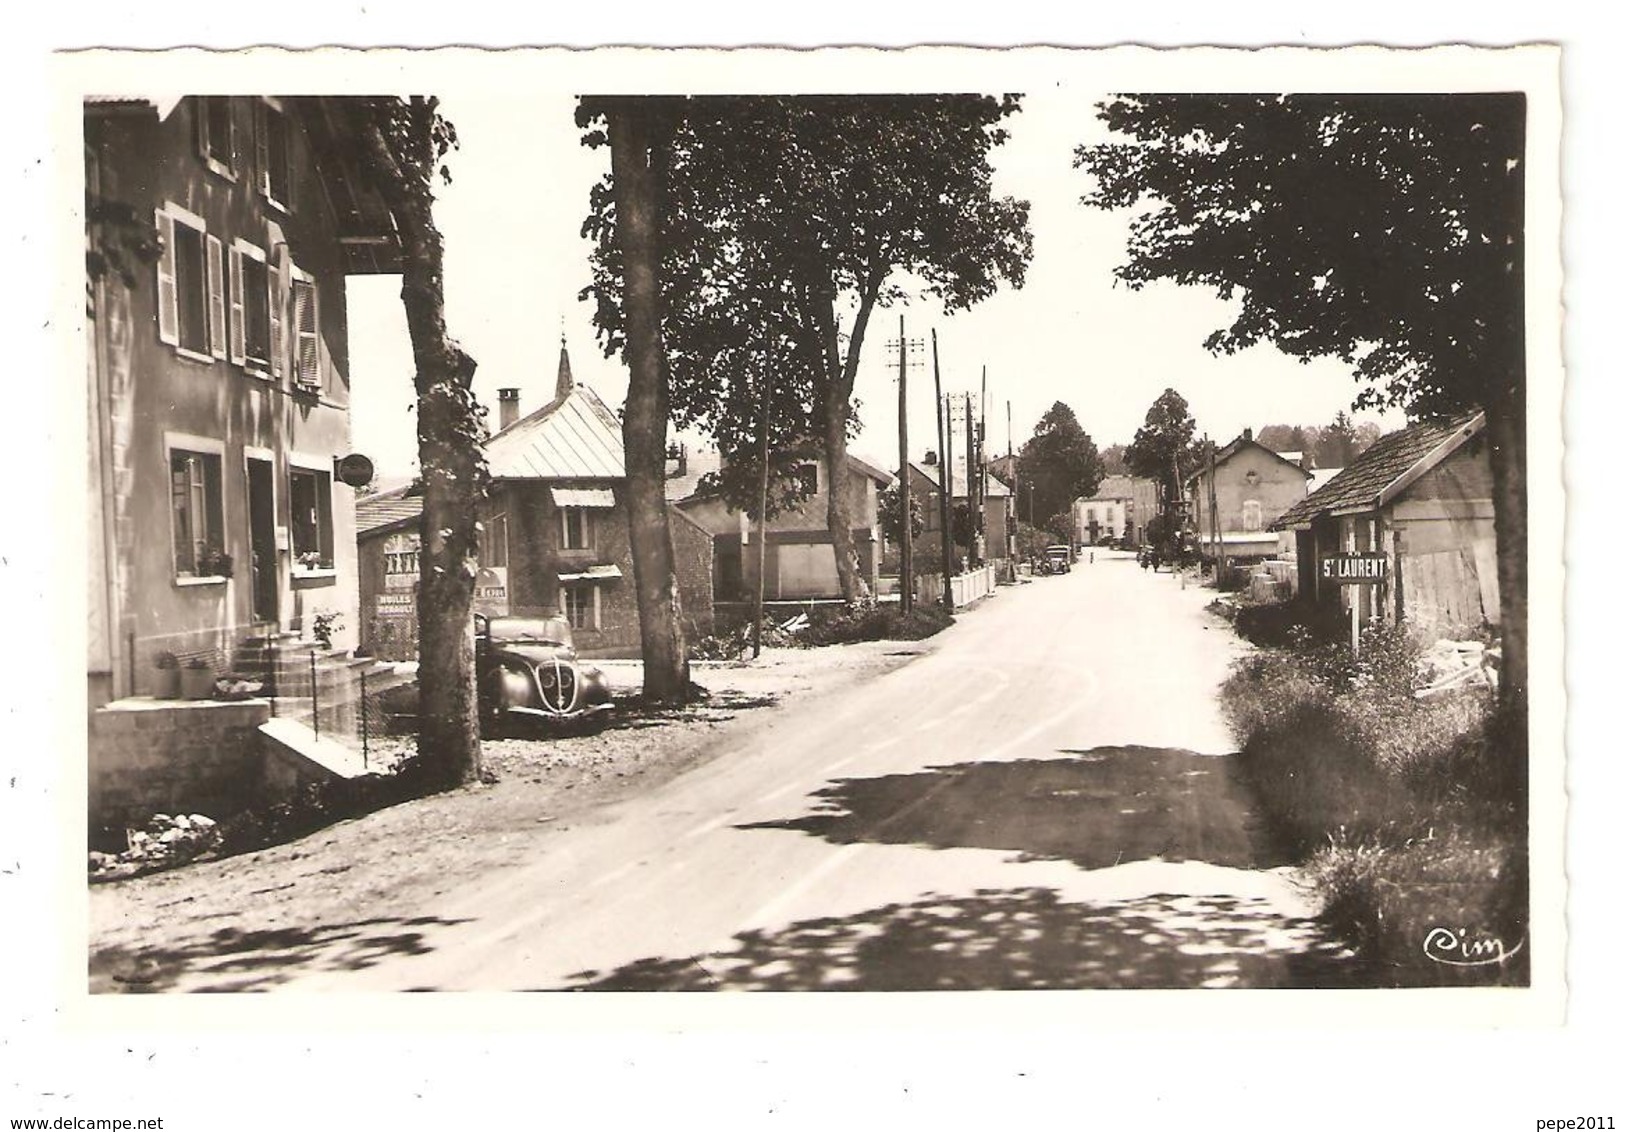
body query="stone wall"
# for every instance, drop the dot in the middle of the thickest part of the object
(171, 756)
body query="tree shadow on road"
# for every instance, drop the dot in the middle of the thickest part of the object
(1100, 807)
(234, 960)
(1013, 939)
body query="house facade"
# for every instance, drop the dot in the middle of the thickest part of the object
(999, 505)
(1421, 498)
(218, 377)
(1120, 508)
(554, 534)
(800, 557)
(1247, 487)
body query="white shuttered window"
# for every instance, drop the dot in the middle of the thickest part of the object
(307, 353)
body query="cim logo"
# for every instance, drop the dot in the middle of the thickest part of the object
(1459, 948)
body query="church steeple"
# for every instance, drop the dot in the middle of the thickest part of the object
(567, 380)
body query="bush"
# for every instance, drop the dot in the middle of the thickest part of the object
(1407, 813)
(1388, 899)
(849, 624)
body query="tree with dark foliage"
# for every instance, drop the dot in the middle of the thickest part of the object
(1164, 447)
(1382, 230)
(1058, 465)
(790, 219)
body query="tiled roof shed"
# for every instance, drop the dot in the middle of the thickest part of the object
(1382, 471)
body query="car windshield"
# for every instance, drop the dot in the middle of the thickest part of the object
(531, 630)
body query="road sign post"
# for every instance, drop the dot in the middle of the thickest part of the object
(1354, 568)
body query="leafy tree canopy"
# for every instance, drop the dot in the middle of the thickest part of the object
(1059, 464)
(1383, 230)
(1165, 447)
(787, 217)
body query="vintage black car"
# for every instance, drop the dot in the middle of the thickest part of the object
(526, 668)
(1059, 559)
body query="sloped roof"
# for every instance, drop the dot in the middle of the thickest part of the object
(572, 437)
(701, 462)
(1238, 444)
(1389, 465)
(1118, 487)
(996, 488)
(389, 509)
(859, 464)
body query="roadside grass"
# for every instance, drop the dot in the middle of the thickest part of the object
(1407, 814)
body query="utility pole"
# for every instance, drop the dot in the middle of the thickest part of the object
(970, 481)
(945, 479)
(761, 513)
(906, 542)
(981, 465)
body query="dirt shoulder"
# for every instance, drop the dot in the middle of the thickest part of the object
(383, 864)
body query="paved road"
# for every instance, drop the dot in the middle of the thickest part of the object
(1042, 800)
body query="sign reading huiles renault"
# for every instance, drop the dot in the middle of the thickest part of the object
(1354, 569)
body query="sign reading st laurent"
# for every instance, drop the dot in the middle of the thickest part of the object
(1354, 569)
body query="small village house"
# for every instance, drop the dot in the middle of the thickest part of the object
(1237, 495)
(219, 395)
(999, 506)
(800, 558)
(554, 536)
(1420, 497)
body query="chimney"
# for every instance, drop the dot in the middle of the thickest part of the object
(1246, 434)
(507, 407)
(567, 381)
(930, 460)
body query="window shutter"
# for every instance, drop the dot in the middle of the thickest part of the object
(200, 119)
(232, 160)
(169, 315)
(273, 302)
(217, 299)
(262, 149)
(307, 352)
(239, 345)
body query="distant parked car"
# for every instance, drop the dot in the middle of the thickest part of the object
(1059, 558)
(526, 667)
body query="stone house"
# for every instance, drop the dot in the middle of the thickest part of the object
(555, 536)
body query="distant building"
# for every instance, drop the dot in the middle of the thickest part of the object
(1252, 487)
(1421, 497)
(1120, 508)
(554, 538)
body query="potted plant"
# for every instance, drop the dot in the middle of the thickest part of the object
(197, 680)
(169, 676)
(216, 564)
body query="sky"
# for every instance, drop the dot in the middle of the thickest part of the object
(516, 263)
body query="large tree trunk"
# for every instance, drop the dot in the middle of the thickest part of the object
(637, 135)
(399, 144)
(1505, 425)
(837, 416)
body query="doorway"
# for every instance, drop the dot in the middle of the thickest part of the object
(262, 538)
